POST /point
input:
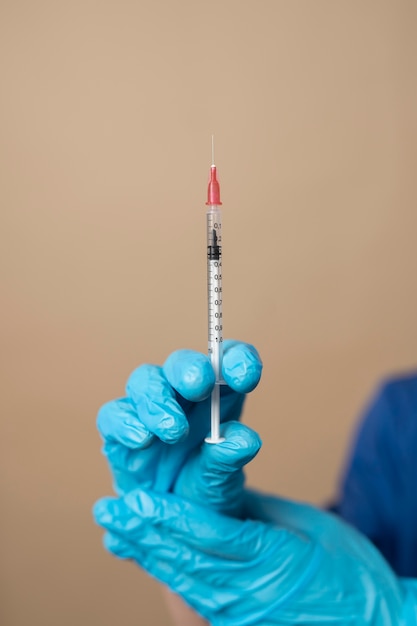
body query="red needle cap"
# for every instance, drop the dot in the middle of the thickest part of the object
(213, 191)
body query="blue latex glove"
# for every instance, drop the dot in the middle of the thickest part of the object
(294, 565)
(171, 405)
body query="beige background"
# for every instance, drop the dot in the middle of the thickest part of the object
(106, 114)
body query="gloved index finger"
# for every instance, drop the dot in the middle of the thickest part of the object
(190, 373)
(155, 402)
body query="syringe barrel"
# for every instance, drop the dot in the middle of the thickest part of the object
(214, 288)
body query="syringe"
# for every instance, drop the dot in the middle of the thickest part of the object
(215, 297)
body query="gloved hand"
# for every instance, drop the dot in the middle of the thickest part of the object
(291, 564)
(171, 405)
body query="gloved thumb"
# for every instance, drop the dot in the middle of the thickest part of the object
(214, 475)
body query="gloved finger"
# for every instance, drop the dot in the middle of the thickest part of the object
(118, 422)
(214, 476)
(190, 373)
(241, 445)
(124, 549)
(242, 366)
(140, 514)
(156, 404)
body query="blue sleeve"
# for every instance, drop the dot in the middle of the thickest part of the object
(378, 492)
